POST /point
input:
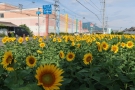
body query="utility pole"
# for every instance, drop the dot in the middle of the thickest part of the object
(57, 16)
(20, 7)
(103, 16)
(106, 23)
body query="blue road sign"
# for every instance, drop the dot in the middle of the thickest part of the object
(38, 12)
(47, 9)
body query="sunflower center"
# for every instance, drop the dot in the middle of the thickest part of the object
(104, 46)
(9, 59)
(129, 44)
(98, 47)
(48, 79)
(123, 44)
(31, 61)
(88, 59)
(114, 48)
(60, 54)
(70, 56)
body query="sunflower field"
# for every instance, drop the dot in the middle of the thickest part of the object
(68, 62)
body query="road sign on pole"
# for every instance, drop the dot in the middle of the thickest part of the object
(38, 13)
(47, 9)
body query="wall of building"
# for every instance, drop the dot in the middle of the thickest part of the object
(29, 17)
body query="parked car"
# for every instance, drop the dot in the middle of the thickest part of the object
(86, 33)
(17, 31)
(76, 33)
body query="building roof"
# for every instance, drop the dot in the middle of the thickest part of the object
(6, 5)
(9, 24)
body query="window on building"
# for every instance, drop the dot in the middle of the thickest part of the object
(1, 15)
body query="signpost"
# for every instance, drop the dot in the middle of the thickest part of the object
(47, 9)
(38, 13)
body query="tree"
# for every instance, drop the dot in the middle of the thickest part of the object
(27, 29)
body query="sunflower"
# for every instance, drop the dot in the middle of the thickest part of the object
(98, 43)
(61, 54)
(31, 61)
(78, 45)
(27, 38)
(99, 47)
(40, 40)
(54, 39)
(73, 43)
(42, 45)
(13, 39)
(114, 48)
(9, 39)
(87, 58)
(4, 40)
(129, 44)
(40, 52)
(44, 37)
(59, 39)
(10, 68)
(7, 59)
(123, 44)
(49, 76)
(66, 39)
(104, 45)
(70, 56)
(34, 37)
(20, 40)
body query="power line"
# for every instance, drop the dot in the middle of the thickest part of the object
(75, 14)
(92, 5)
(89, 10)
(70, 10)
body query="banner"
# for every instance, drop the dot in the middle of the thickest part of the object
(66, 22)
(80, 26)
(76, 25)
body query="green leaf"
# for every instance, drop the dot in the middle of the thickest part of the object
(83, 87)
(1, 69)
(29, 87)
(123, 78)
(66, 81)
(83, 71)
(132, 88)
(20, 81)
(97, 78)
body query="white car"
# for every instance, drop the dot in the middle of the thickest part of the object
(76, 33)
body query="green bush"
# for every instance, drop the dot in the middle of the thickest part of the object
(27, 29)
(2, 35)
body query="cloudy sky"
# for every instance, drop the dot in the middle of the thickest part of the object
(119, 14)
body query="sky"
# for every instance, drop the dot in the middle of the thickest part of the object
(119, 14)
